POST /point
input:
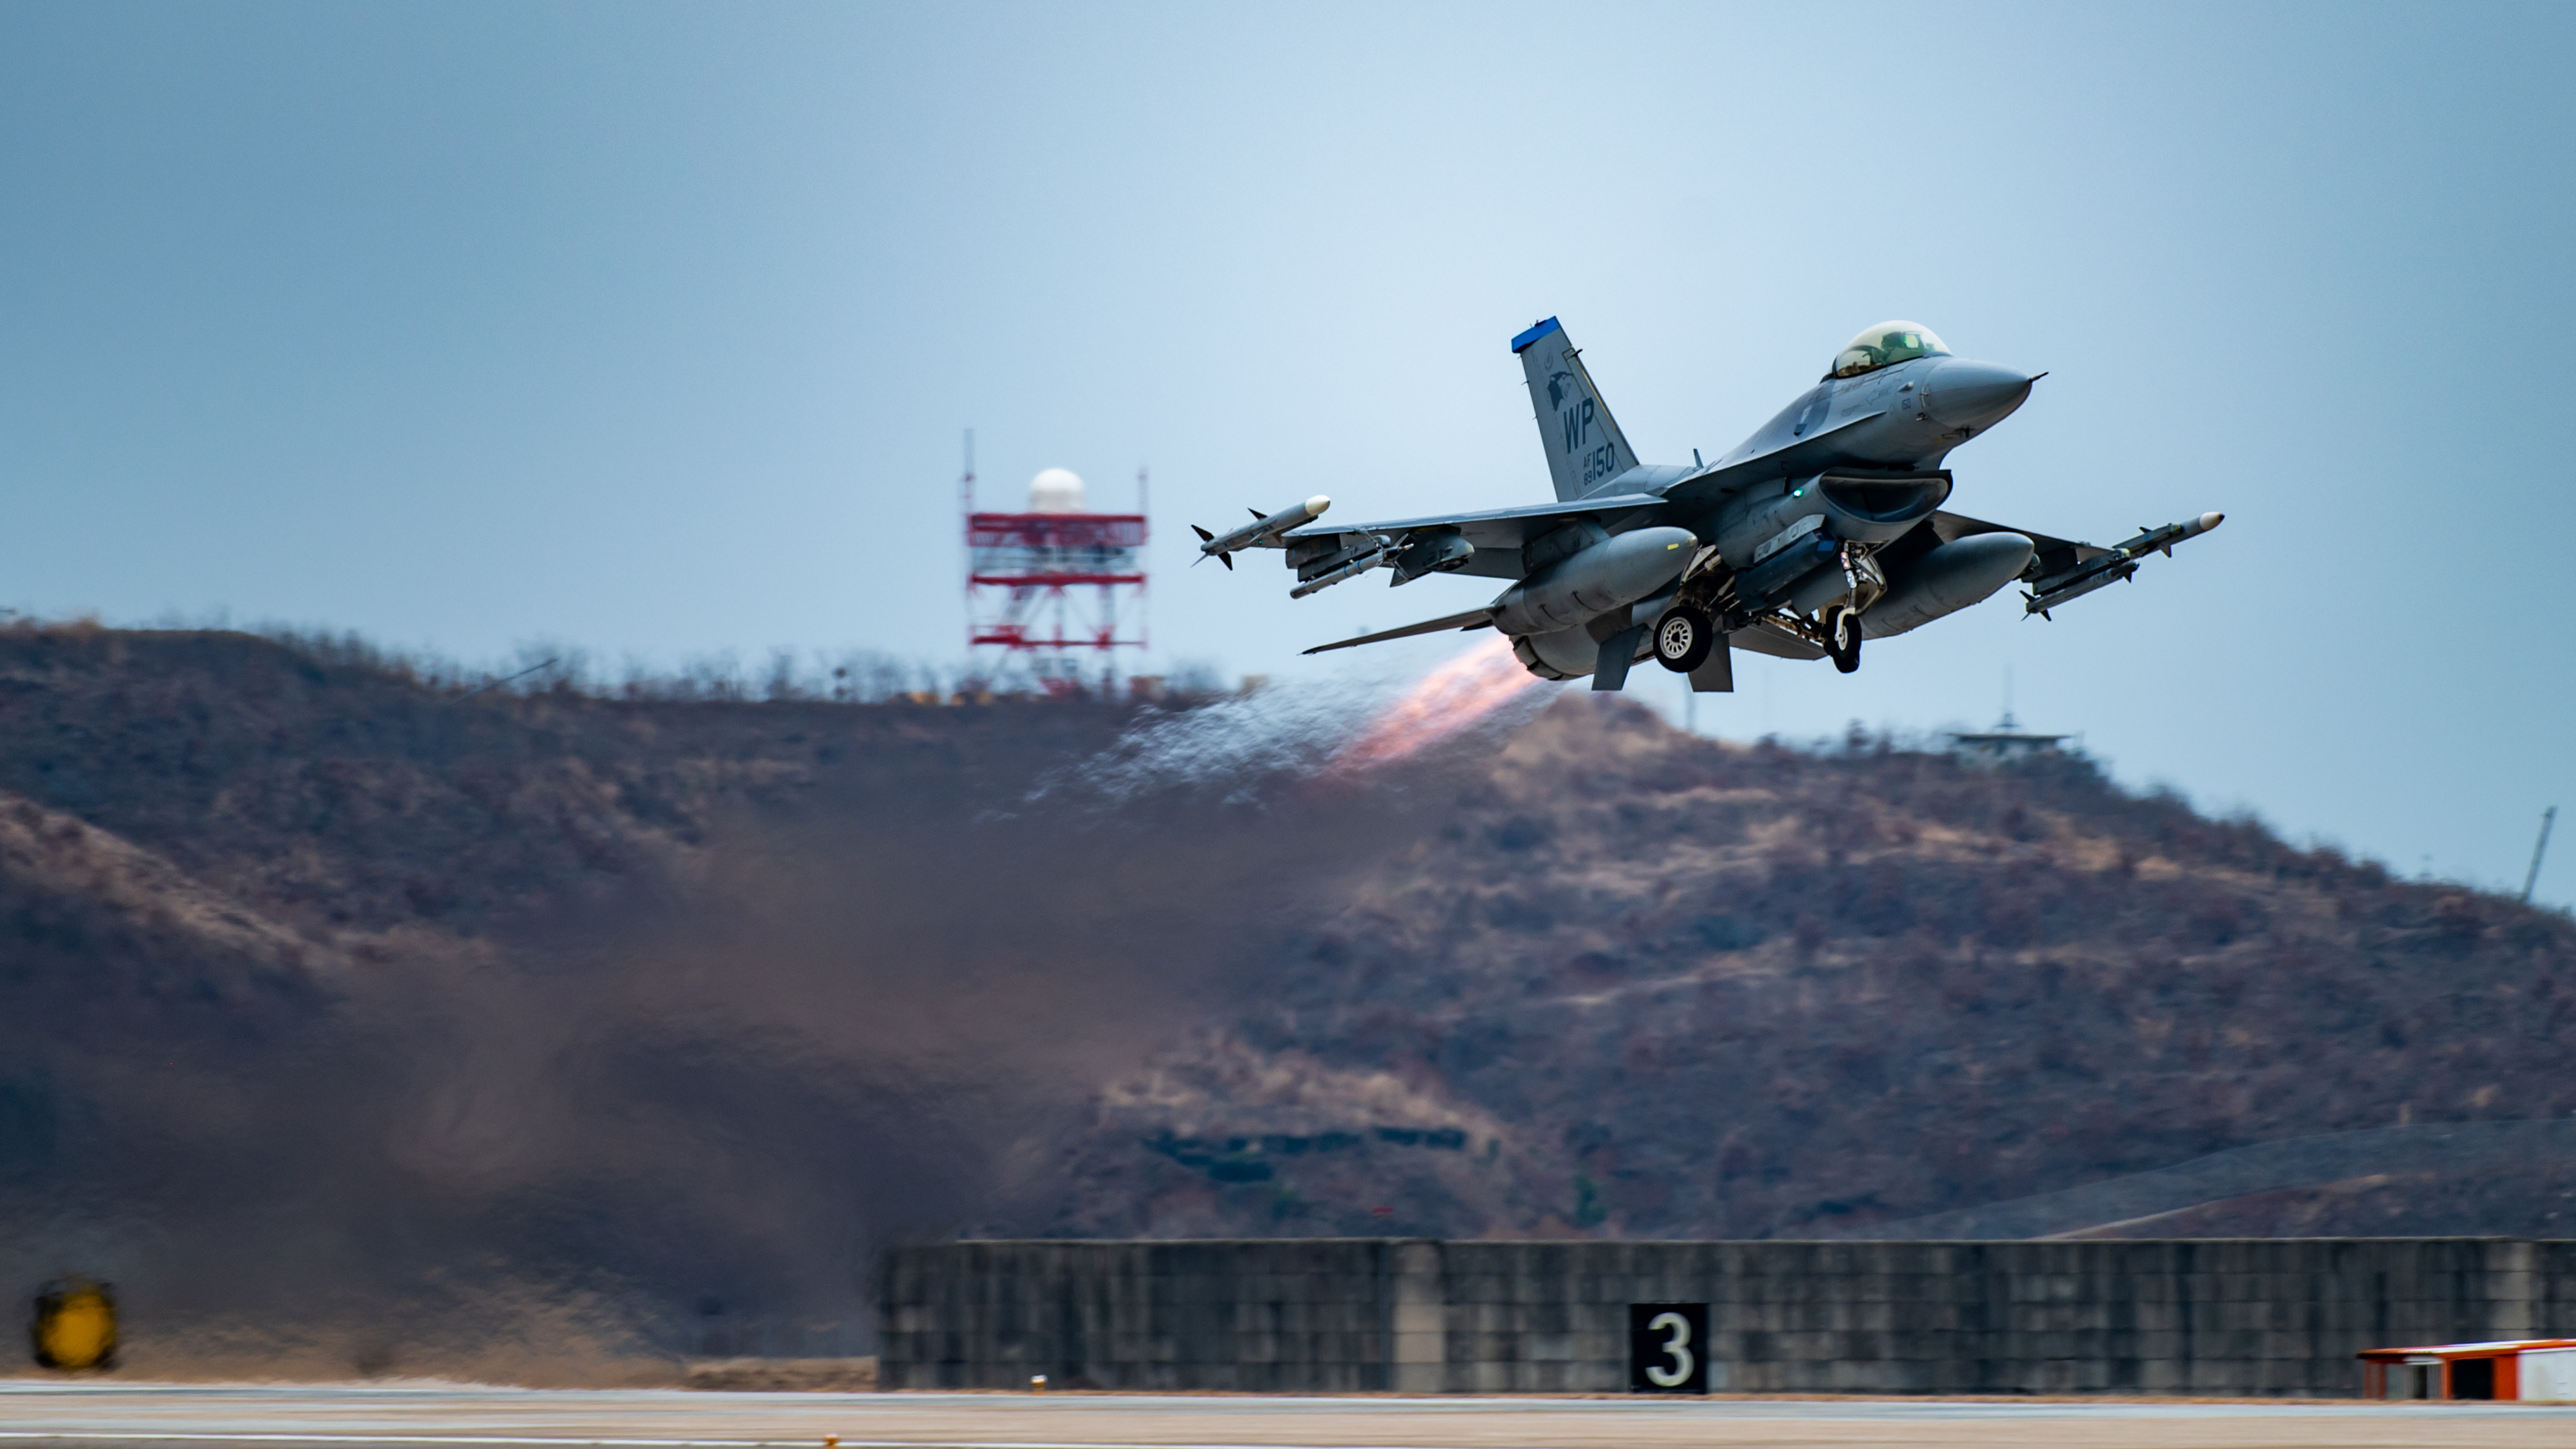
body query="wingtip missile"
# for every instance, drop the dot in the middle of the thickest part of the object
(1263, 529)
(2193, 529)
(2113, 565)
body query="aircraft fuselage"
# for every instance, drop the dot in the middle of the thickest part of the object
(1908, 416)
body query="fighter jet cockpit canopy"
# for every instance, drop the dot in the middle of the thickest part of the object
(1885, 345)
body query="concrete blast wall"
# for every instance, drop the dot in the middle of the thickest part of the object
(2273, 1316)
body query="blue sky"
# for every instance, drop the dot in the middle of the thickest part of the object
(652, 328)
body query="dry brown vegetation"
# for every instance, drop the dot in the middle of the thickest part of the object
(1669, 987)
(327, 980)
(326, 988)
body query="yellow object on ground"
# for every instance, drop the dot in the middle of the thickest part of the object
(75, 1325)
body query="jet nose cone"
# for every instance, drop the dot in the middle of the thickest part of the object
(1974, 394)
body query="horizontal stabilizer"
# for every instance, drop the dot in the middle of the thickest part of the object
(1472, 619)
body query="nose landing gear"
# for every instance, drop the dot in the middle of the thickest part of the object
(1842, 637)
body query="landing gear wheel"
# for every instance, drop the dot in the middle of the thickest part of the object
(1842, 638)
(1683, 639)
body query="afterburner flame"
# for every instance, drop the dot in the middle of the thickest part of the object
(1449, 699)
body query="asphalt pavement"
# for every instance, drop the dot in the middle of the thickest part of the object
(94, 1414)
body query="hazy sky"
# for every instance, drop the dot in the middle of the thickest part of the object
(652, 328)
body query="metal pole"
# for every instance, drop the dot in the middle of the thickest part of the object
(1144, 604)
(2548, 818)
(533, 668)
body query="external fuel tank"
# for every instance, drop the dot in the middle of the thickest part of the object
(1584, 585)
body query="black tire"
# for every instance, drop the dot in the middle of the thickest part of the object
(1684, 639)
(1842, 640)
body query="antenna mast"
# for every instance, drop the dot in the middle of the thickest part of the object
(966, 495)
(2548, 818)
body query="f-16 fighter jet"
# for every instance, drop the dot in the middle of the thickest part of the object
(1824, 528)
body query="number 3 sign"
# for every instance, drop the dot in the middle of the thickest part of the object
(1666, 1348)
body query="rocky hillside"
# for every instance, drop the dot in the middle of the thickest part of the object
(351, 1014)
(350, 799)
(547, 1018)
(1641, 984)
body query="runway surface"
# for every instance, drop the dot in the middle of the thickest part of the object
(172, 1416)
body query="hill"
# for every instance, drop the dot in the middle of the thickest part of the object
(1649, 985)
(353, 1018)
(333, 1000)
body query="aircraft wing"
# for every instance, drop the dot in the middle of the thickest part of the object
(1503, 528)
(2060, 569)
(1467, 622)
(2051, 554)
(1495, 534)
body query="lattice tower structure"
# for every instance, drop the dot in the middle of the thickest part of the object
(1056, 585)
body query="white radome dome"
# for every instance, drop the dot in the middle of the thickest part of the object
(1056, 490)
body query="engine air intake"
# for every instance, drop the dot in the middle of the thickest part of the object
(1885, 498)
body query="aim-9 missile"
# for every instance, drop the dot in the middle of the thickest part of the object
(2113, 565)
(1368, 557)
(1264, 529)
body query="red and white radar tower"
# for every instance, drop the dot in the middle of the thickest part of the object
(1049, 585)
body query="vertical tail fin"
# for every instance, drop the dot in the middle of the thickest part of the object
(1584, 446)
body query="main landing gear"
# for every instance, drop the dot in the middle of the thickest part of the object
(1842, 637)
(1683, 639)
(1686, 634)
